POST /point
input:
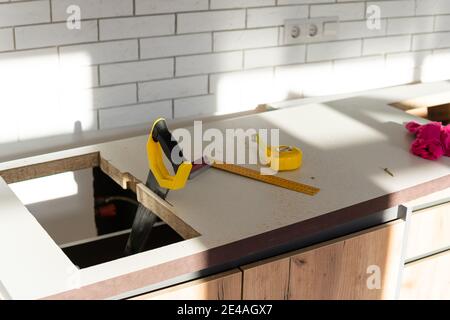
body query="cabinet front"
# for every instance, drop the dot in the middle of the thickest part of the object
(365, 265)
(223, 286)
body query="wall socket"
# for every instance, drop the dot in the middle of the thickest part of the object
(310, 30)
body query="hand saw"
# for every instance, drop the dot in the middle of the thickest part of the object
(160, 181)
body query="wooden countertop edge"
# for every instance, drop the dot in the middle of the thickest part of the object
(233, 251)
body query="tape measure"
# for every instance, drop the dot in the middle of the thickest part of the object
(273, 180)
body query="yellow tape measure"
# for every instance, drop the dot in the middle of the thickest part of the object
(273, 180)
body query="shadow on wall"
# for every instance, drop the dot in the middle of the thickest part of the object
(244, 90)
(44, 95)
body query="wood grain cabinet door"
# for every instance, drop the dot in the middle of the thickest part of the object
(364, 265)
(428, 278)
(223, 286)
(429, 231)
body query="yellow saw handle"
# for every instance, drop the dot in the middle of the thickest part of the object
(156, 161)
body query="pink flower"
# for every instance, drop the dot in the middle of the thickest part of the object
(413, 126)
(445, 140)
(427, 149)
(432, 139)
(430, 131)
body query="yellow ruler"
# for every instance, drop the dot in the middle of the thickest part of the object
(273, 180)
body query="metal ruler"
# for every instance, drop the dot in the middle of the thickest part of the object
(273, 180)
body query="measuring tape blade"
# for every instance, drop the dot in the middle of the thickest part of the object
(273, 180)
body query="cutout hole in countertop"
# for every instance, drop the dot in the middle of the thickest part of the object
(83, 209)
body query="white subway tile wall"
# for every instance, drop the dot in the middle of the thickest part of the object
(134, 60)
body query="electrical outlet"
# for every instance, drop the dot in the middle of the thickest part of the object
(310, 30)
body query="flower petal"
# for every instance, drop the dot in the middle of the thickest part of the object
(427, 149)
(430, 131)
(412, 126)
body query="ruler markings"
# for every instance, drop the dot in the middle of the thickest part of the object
(273, 180)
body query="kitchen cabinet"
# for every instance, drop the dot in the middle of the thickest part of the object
(365, 265)
(429, 231)
(427, 278)
(223, 286)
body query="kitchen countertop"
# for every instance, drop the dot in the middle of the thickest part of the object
(346, 144)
